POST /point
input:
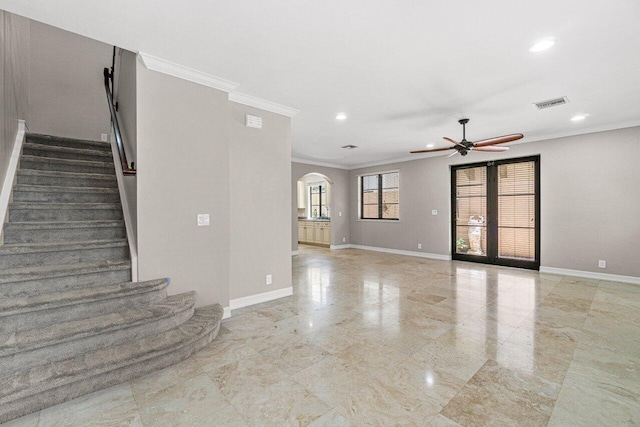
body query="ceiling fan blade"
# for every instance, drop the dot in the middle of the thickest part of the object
(453, 142)
(431, 150)
(498, 140)
(489, 148)
(453, 154)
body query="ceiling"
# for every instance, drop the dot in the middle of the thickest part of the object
(403, 72)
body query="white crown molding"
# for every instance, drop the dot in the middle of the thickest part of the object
(236, 303)
(262, 104)
(591, 275)
(176, 70)
(315, 163)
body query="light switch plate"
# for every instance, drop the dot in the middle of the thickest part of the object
(434, 212)
(269, 279)
(602, 263)
(203, 219)
(103, 137)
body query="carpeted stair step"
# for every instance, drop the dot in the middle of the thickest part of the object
(33, 389)
(65, 179)
(27, 281)
(65, 165)
(18, 314)
(34, 254)
(64, 231)
(25, 349)
(51, 194)
(44, 150)
(58, 141)
(56, 212)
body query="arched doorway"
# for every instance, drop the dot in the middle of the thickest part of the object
(314, 207)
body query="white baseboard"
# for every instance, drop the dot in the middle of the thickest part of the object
(12, 168)
(591, 275)
(260, 298)
(227, 313)
(294, 253)
(337, 247)
(402, 252)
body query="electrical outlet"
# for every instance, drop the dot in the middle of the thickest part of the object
(203, 220)
(339, 213)
(602, 263)
(103, 137)
(268, 279)
(344, 239)
(434, 212)
(419, 245)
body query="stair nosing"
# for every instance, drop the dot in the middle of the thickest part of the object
(79, 162)
(64, 246)
(65, 174)
(58, 205)
(34, 188)
(67, 139)
(179, 302)
(61, 225)
(83, 151)
(51, 379)
(117, 291)
(62, 270)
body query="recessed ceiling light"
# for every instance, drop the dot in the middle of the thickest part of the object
(341, 116)
(579, 117)
(542, 45)
(430, 145)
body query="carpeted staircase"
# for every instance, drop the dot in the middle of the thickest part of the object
(71, 320)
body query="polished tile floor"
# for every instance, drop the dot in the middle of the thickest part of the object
(378, 339)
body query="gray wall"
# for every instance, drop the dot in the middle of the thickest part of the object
(14, 89)
(260, 200)
(125, 95)
(340, 201)
(183, 170)
(67, 95)
(590, 202)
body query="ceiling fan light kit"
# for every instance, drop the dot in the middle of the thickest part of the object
(463, 147)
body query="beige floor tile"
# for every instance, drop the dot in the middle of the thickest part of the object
(222, 352)
(449, 360)
(30, 420)
(283, 404)
(588, 401)
(114, 406)
(442, 421)
(497, 396)
(331, 419)
(196, 401)
(244, 377)
(146, 387)
(296, 355)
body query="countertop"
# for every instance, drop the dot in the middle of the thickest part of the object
(315, 219)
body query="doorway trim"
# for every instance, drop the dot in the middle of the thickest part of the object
(492, 209)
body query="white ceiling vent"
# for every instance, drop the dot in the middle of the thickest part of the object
(253, 121)
(551, 103)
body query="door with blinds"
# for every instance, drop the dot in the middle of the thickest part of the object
(496, 212)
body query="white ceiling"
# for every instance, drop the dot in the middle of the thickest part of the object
(403, 72)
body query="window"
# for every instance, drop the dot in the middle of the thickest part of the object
(318, 206)
(379, 196)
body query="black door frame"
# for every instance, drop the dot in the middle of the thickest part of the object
(492, 212)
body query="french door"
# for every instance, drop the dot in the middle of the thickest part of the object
(496, 212)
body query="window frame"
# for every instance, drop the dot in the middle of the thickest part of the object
(380, 196)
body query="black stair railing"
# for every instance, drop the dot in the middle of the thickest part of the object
(108, 86)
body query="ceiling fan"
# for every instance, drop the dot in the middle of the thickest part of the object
(463, 147)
